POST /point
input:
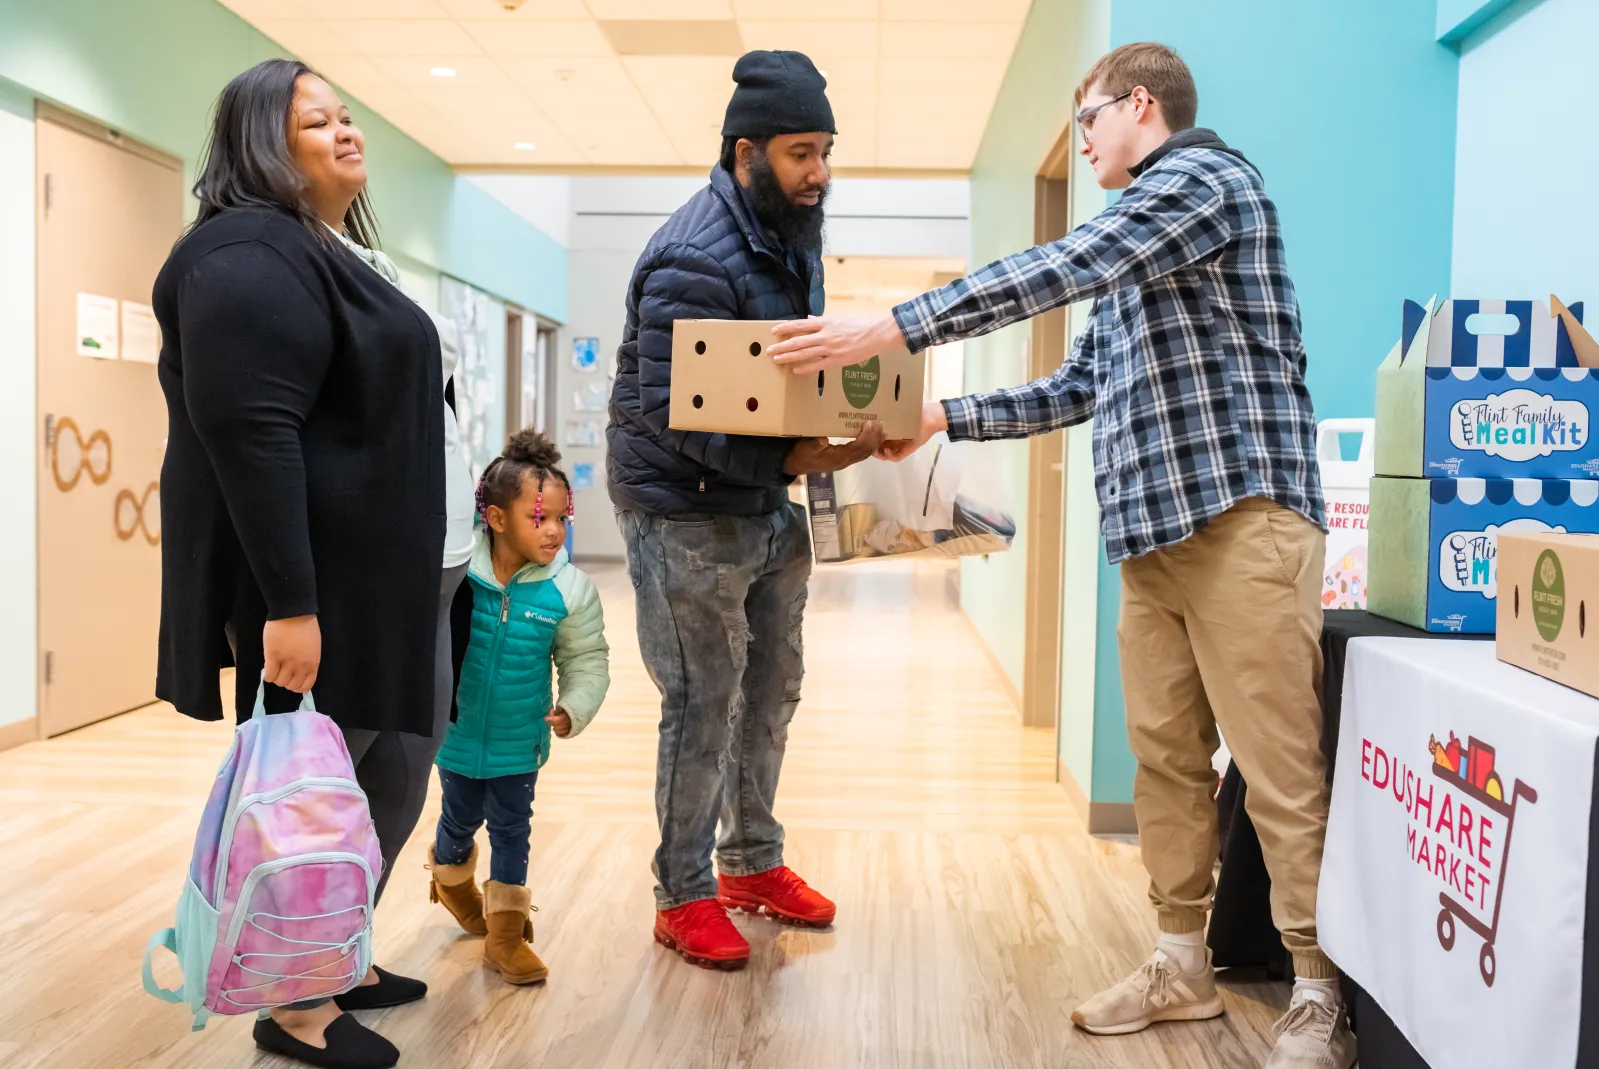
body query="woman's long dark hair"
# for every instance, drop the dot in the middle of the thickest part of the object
(247, 163)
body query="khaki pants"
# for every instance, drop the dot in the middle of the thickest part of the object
(1224, 629)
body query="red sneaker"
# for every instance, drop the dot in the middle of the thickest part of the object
(703, 934)
(783, 895)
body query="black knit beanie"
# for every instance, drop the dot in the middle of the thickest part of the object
(778, 93)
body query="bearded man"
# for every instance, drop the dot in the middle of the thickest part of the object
(718, 555)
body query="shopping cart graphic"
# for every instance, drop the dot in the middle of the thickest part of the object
(1474, 777)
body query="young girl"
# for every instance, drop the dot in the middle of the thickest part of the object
(529, 607)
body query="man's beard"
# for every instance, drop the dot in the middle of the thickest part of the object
(798, 226)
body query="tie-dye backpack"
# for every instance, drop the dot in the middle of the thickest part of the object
(278, 904)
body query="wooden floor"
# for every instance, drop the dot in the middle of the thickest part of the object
(974, 913)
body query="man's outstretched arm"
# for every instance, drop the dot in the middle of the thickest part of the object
(1156, 229)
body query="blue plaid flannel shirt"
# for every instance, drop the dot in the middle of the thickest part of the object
(1191, 360)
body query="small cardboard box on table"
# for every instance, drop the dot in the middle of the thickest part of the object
(1548, 580)
(724, 382)
(1434, 542)
(1489, 389)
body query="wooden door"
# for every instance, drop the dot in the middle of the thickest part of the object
(1046, 467)
(108, 213)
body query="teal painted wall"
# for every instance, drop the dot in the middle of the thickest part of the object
(1501, 250)
(1348, 107)
(1459, 19)
(152, 69)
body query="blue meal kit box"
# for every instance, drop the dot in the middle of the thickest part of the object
(1433, 543)
(1489, 389)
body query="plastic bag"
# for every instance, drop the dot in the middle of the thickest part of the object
(942, 501)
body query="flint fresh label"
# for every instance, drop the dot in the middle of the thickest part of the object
(1548, 595)
(860, 382)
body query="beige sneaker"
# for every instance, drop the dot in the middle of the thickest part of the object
(1313, 1034)
(1159, 991)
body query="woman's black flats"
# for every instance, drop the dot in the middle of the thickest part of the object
(390, 990)
(350, 1045)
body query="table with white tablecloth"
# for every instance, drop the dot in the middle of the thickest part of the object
(1459, 873)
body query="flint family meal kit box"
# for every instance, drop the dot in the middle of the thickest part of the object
(1548, 580)
(1434, 542)
(723, 381)
(1489, 389)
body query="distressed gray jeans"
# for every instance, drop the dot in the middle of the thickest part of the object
(721, 600)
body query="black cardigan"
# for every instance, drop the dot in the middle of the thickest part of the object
(304, 471)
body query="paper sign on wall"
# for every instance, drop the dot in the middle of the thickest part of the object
(582, 476)
(141, 335)
(583, 433)
(97, 326)
(586, 354)
(591, 397)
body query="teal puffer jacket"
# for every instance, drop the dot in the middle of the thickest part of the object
(546, 613)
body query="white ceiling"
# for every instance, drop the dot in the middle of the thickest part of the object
(911, 81)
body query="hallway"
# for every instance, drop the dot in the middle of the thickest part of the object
(974, 912)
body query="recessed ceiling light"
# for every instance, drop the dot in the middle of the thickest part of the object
(524, 146)
(442, 72)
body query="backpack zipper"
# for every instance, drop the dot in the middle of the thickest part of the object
(241, 911)
(225, 840)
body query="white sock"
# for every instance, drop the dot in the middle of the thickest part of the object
(1187, 950)
(1323, 991)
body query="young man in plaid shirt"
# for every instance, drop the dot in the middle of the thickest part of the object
(1204, 460)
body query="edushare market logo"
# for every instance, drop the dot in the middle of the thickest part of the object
(1519, 425)
(1458, 823)
(861, 381)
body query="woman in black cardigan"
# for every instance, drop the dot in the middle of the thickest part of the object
(303, 489)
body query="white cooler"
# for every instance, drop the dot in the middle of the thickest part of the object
(1347, 485)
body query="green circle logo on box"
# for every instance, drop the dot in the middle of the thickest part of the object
(1548, 595)
(860, 382)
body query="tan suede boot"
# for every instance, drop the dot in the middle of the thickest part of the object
(454, 886)
(506, 908)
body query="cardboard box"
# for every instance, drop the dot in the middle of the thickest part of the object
(1455, 403)
(1543, 617)
(1433, 542)
(723, 382)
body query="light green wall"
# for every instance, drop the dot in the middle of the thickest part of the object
(152, 69)
(1060, 41)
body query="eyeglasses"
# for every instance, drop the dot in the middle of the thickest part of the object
(1085, 118)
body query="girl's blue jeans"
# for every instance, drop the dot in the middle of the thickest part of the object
(505, 804)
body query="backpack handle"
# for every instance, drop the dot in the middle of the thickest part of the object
(166, 937)
(306, 704)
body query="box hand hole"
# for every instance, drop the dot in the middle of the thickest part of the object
(699, 347)
(699, 402)
(821, 382)
(896, 387)
(752, 404)
(1493, 324)
(755, 348)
